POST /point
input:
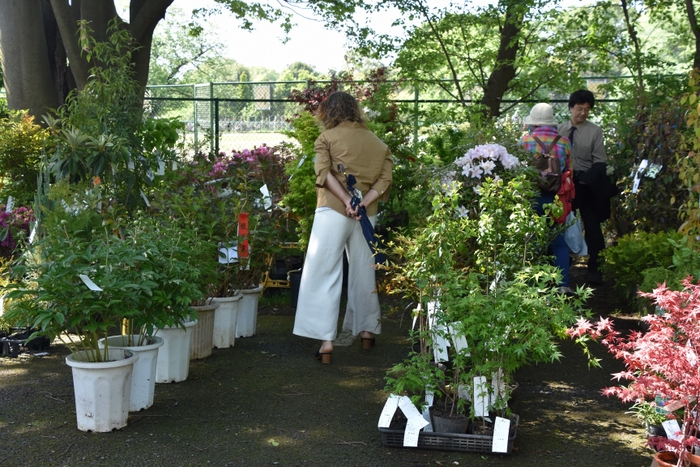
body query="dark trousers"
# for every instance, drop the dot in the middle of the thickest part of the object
(585, 202)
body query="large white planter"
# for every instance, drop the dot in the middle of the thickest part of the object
(203, 332)
(174, 357)
(102, 390)
(143, 377)
(248, 312)
(225, 320)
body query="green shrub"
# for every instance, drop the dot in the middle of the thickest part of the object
(21, 143)
(635, 253)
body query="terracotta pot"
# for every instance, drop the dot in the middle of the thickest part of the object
(670, 459)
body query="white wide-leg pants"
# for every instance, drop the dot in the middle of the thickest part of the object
(322, 280)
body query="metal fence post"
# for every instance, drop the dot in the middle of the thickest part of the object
(216, 126)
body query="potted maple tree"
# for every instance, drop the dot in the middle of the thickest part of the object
(660, 362)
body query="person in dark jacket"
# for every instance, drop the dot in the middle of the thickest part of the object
(593, 187)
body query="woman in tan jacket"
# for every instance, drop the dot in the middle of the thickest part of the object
(348, 142)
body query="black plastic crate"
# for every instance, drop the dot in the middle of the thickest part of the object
(450, 441)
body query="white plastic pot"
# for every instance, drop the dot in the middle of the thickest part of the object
(225, 320)
(248, 312)
(174, 356)
(143, 376)
(203, 332)
(102, 390)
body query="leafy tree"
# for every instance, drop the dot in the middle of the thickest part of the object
(41, 56)
(181, 44)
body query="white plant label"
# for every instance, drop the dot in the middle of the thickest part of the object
(672, 429)
(131, 165)
(459, 341)
(429, 397)
(440, 345)
(426, 417)
(228, 254)
(90, 284)
(161, 168)
(267, 200)
(413, 427)
(145, 200)
(174, 166)
(501, 429)
(32, 235)
(416, 313)
(481, 397)
(388, 411)
(408, 409)
(10, 204)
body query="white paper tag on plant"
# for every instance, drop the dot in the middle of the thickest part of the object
(388, 411)
(672, 429)
(440, 345)
(173, 167)
(267, 200)
(32, 235)
(433, 308)
(416, 313)
(501, 429)
(10, 204)
(464, 392)
(90, 284)
(131, 165)
(228, 254)
(145, 200)
(426, 416)
(161, 168)
(481, 397)
(429, 397)
(459, 341)
(413, 427)
(408, 409)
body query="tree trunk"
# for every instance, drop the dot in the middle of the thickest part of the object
(27, 61)
(690, 10)
(38, 37)
(504, 69)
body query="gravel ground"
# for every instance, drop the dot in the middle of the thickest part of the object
(266, 401)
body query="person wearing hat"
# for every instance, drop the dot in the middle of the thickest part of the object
(544, 128)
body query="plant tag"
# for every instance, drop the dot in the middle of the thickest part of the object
(243, 251)
(464, 392)
(638, 175)
(90, 284)
(228, 254)
(173, 166)
(440, 345)
(672, 429)
(433, 308)
(501, 429)
(429, 397)
(459, 341)
(32, 234)
(413, 427)
(390, 406)
(149, 174)
(426, 416)
(481, 397)
(408, 409)
(145, 200)
(416, 313)
(267, 200)
(10, 204)
(131, 165)
(2, 305)
(161, 168)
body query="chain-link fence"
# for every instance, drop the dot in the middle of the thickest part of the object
(240, 115)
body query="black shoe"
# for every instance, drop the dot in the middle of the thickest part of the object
(595, 278)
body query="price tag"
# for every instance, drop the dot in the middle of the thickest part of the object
(243, 233)
(672, 429)
(413, 427)
(429, 397)
(501, 429)
(388, 411)
(90, 284)
(481, 397)
(267, 199)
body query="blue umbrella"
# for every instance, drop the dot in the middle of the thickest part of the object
(367, 229)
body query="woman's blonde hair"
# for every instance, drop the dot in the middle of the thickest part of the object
(339, 107)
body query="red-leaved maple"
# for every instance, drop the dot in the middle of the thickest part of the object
(661, 361)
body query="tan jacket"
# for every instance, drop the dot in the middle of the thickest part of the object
(362, 154)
